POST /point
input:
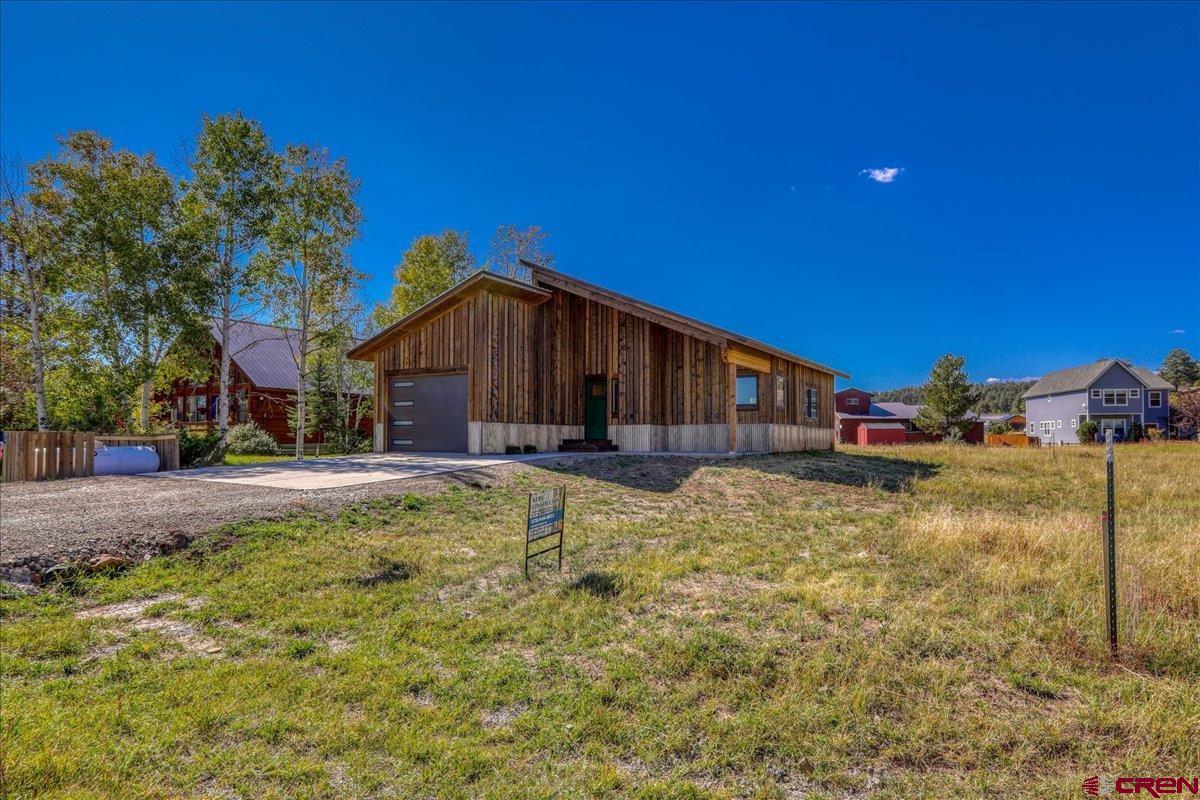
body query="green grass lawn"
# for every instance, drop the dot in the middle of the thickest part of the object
(232, 459)
(904, 622)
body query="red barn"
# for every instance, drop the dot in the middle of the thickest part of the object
(882, 433)
(854, 409)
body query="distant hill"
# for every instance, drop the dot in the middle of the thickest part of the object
(1000, 397)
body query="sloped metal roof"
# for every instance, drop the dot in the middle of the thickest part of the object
(267, 354)
(886, 411)
(897, 411)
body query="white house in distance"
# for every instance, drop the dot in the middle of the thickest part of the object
(1113, 393)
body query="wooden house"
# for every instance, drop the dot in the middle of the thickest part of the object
(262, 382)
(560, 363)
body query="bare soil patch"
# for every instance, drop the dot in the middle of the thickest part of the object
(133, 615)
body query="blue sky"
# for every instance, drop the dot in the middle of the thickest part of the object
(709, 158)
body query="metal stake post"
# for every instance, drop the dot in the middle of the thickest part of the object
(1110, 550)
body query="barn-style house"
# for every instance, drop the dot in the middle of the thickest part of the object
(559, 363)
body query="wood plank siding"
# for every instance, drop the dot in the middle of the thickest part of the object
(527, 358)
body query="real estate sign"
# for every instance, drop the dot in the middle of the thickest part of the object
(545, 520)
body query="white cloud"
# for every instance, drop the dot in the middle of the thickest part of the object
(1008, 380)
(1179, 330)
(882, 174)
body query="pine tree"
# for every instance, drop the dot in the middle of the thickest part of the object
(1180, 369)
(948, 398)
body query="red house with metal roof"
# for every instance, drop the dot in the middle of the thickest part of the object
(262, 383)
(855, 411)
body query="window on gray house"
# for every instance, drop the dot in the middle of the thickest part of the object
(1116, 397)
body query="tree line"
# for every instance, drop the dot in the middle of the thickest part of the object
(108, 260)
(997, 397)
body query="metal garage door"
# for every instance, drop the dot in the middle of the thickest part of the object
(427, 413)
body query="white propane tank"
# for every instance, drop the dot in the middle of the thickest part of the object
(126, 460)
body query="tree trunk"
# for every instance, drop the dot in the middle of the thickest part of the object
(301, 388)
(343, 399)
(146, 390)
(223, 396)
(39, 363)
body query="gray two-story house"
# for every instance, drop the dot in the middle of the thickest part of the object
(1112, 393)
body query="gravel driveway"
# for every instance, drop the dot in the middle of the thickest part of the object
(49, 522)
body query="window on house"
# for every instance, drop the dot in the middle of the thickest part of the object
(851, 401)
(810, 403)
(197, 408)
(1135, 392)
(1155, 399)
(1032, 427)
(780, 392)
(1073, 423)
(1095, 394)
(616, 397)
(1059, 423)
(243, 406)
(747, 390)
(1116, 397)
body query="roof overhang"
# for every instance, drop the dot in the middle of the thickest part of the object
(740, 349)
(447, 300)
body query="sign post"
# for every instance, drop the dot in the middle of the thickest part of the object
(1110, 550)
(545, 520)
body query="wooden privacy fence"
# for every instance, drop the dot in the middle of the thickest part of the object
(1011, 440)
(50, 455)
(43, 455)
(167, 447)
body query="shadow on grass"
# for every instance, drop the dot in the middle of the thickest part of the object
(889, 474)
(604, 585)
(666, 474)
(392, 572)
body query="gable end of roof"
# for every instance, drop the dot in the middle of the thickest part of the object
(1081, 378)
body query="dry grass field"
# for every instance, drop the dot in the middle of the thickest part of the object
(903, 623)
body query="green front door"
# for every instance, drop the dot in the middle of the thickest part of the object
(595, 408)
